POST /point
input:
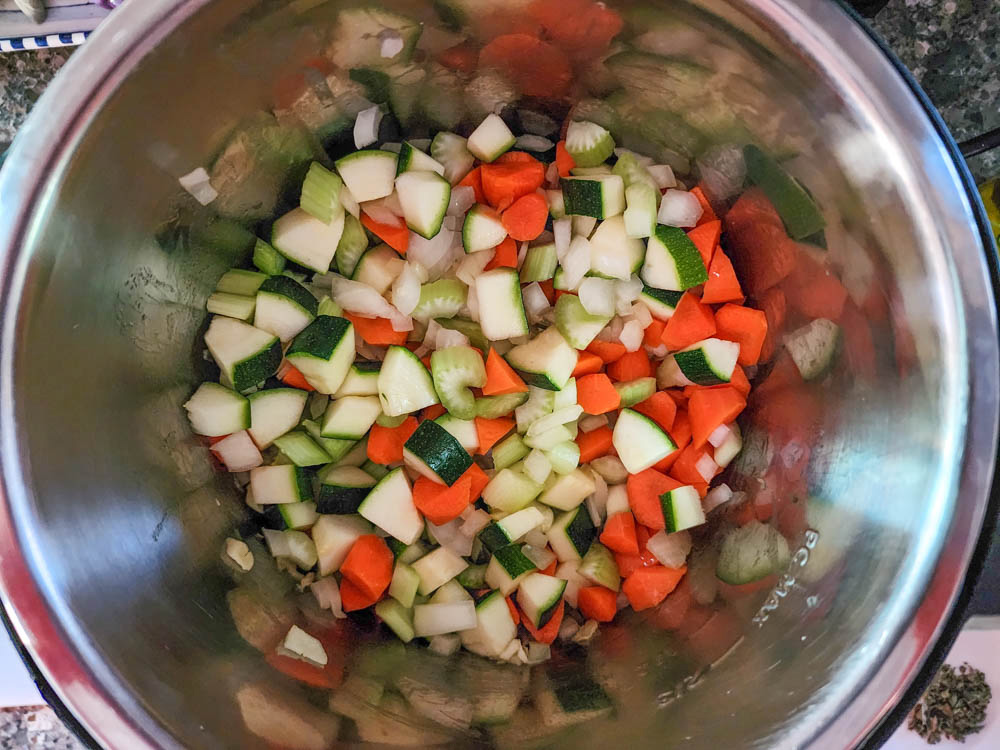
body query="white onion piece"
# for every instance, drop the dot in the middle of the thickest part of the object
(598, 296)
(453, 223)
(392, 43)
(510, 651)
(535, 143)
(706, 467)
(448, 617)
(562, 230)
(585, 633)
(360, 298)
(535, 301)
(576, 263)
(366, 126)
(715, 497)
(348, 201)
(472, 265)
(536, 538)
(626, 293)
(522, 252)
(478, 520)
(670, 549)
(538, 653)
(658, 351)
(277, 543)
(679, 208)
(555, 419)
(611, 468)
(641, 313)
(445, 644)
(540, 556)
(431, 253)
(430, 339)
(449, 535)
(406, 289)
(631, 335)
(536, 123)
(327, 594)
(537, 467)
(622, 601)
(198, 185)
(662, 175)
(718, 436)
(463, 198)
(552, 175)
(600, 494)
(446, 337)
(591, 422)
(568, 629)
(379, 213)
(593, 511)
(238, 452)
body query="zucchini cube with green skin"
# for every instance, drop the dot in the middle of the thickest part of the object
(597, 196)
(433, 452)
(672, 261)
(569, 696)
(708, 362)
(284, 307)
(424, 198)
(571, 534)
(661, 303)
(342, 489)
(510, 490)
(511, 528)
(404, 384)
(463, 430)
(568, 491)
(437, 568)
(490, 139)
(547, 361)
(301, 449)
(358, 33)
(501, 307)
(639, 441)
(323, 352)
(390, 506)
(412, 159)
(215, 410)
(296, 516)
(338, 450)
(473, 577)
(682, 508)
(636, 391)
(507, 568)
(306, 240)
(539, 596)
(334, 536)
(273, 412)
(350, 417)
(794, 205)
(455, 371)
(599, 566)
(245, 355)
(494, 629)
(361, 380)
(613, 253)
(378, 268)
(575, 324)
(369, 174)
(273, 485)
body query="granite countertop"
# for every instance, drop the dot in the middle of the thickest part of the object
(952, 47)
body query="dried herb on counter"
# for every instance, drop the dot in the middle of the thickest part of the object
(954, 706)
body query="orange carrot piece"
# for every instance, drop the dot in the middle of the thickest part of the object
(594, 444)
(680, 433)
(608, 351)
(597, 603)
(376, 331)
(525, 219)
(706, 237)
(659, 407)
(762, 252)
(500, 377)
(490, 432)
(303, 671)
(631, 366)
(564, 162)
(596, 394)
(396, 237)
(548, 633)
(292, 377)
(514, 612)
(514, 157)
(368, 565)
(504, 255)
(644, 490)
(627, 564)
(738, 380)
(474, 180)
(673, 610)
(479, 480)
(582, 28)
(722, 284)
(385, 444)
(684, 470)
(619, 534)
(352, 598)
(536, 68)
(652, 336)
(587, 364)
(440, 503)
(551, 569)
(709, 408)
(505, 183)
(647, 587)
(433, 411)
(744, 325)
(708, 213)
(462, 57)
(774, 306)
(813, 290)
(548, 290)
(691, 322)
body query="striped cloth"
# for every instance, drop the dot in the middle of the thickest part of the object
(41, 42)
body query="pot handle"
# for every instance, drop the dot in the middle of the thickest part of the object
(980, 143)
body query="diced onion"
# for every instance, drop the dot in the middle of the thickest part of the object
(591, 422)
(598, 296)
(327, 594)
(445, 644)
(400, 322)
(540, 556)
(453, 223)
(627, 292)
(536, 123)
(718, 436)
(238, 551)
(706, 467)
(360, 298)
(670, 549)
(576, 263)
(679, 208)
(716, 496)
(535, 143)
(238, 452)
(659, 351)
(593, 511)
(568, 629)
(611, 468)
(585, 633)
(562, 230)
(535, 301)
(536, 538)
(430, 253)
(449, 535)
(641, 313)
(476, 521)
(522, 252)
(463, 197)
(510, 652)
(472, 265)
(552, 175)
(277, 542)
(631, 335)
(446, 337)
(366, 126)
(198, 185)
(662, 175)
(392, 44)
(380, 214)
(406, 289)
(622, 601)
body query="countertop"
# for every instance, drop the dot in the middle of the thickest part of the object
(952, 47)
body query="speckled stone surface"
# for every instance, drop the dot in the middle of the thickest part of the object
(34, 728)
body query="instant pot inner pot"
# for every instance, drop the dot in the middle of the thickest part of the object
(127, 515)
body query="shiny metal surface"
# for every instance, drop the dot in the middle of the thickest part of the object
(112, 518)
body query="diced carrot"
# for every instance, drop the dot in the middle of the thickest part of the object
(504, 255)
(659, 407)
(564, 162)
(813, 290)
(680, 433)
(368, 565)
(722, 284)
(670, 613)
(479, 480)
(536, 68)
(550, 570)
(292, 377)
(738, 380)
(426, 361)
(548, 633)
(709, 408)
(505, 183)
(619, 534)
(395, 236)
(548, 290)
(310, 674)
(582, 28)
(440, 503)
(690, 323)
(684, 470)
(594, 444)
(784, 375)
(561, 292)
(761, 250)
(376, 331)
(587, 364)
(627, 564)
(596, 394)
(514, 612)
(526, 217)
(705, 237)
(745, 326)
(708, 213)
(432, 412)
(647, 587)
(712, 640)
(631, 366)
(644, 490)
(608, 351)
(514, 157)
(500, 377)
(491, 430)
(772, 303)
(859, 344)
(652, 336)
(385, 444)
(597, 603)
(643, 535)
(474, 180)
(462, 57)
(352, 598)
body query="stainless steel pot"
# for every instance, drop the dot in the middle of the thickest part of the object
(112, 519)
